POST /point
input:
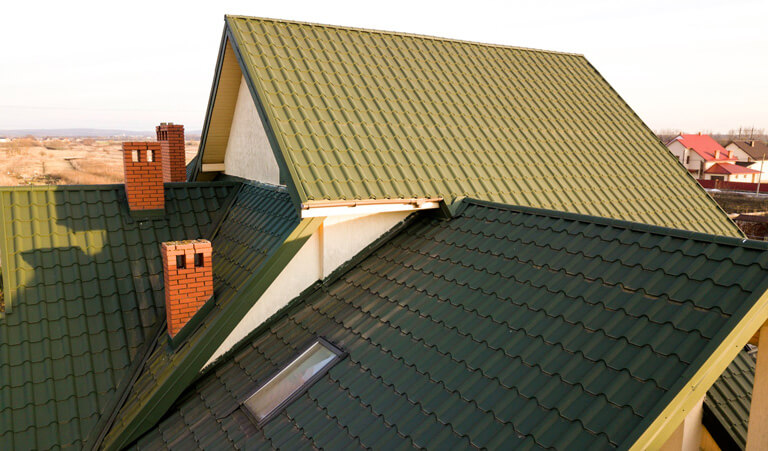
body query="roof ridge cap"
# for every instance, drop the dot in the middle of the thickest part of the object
(400, 33)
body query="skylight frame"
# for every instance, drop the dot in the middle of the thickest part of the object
(339, 355)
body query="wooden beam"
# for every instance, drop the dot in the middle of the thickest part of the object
(213, 167)
(757, 432)
(687, 437)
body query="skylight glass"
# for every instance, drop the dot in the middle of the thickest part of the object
(292, 380)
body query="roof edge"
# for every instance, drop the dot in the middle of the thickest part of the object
(701, 374)
(108, 186)
(400, 33)
(198, 163)
(624, 224)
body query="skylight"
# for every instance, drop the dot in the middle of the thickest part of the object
(292, 381)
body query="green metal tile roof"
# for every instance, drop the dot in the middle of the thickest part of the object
(728, 402)
(84, 291)
(360, 114)
(256, 238)
(502, 327)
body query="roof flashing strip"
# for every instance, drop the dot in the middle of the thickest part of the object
(315, 209)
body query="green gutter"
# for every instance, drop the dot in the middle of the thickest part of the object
(196, 353)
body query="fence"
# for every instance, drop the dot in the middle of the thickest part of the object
(734, 186)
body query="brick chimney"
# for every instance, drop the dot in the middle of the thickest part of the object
(171, 137)
(143, 176)
(730, 154)
(717, 154)
(188, 277)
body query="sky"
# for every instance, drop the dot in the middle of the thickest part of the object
(681, 65)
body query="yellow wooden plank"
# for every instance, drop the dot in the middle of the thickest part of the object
(220, 122)
(757, 430)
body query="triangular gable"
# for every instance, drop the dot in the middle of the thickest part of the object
(359, 115)
(234, 139)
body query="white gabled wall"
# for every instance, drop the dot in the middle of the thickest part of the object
(249, 154)
(335, 242)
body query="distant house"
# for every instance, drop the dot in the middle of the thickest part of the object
(751, 153)
(4, 139)
(729, 172)
(699, 152)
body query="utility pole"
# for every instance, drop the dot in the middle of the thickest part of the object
(761, 174)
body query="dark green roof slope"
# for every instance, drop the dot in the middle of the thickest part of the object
(191, 168)
(85, 291)
(257, 224)
(361, 114)
(726, 407)
(504, 327)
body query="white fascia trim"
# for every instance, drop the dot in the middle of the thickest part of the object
(314, 212)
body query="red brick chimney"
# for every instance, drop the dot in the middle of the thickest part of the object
(188, 277)
(171, 137)
(143, 176)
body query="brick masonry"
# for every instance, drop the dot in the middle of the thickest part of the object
(171, 138)
(143, 178)
(187, 288)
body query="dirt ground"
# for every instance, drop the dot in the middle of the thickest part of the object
(27, 161)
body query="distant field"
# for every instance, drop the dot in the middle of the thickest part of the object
(69, 161)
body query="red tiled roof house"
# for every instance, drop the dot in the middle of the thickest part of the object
(699, 152)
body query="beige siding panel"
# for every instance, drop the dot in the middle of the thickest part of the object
(220, 121)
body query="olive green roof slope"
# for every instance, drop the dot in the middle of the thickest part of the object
(503, 327)
(360, 114)
(256, 238)
(726, 407)
(84, 288)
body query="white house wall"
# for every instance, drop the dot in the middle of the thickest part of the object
(738, 153)
(335, 242)
(249, 154)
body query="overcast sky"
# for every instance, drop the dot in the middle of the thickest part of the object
(691, 65)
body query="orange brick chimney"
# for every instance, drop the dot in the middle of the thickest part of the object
(143, 176)
(188, 277)
(171, 137)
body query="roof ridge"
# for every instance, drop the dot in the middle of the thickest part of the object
(265, 185)
(108, 186)
(622, 223)
(399, 33)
